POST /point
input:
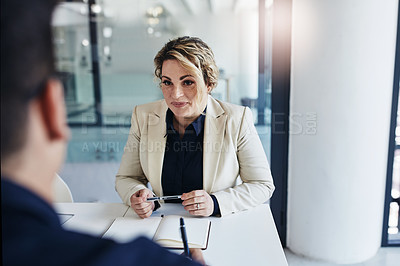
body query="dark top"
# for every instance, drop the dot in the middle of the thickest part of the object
(32, 235)
(182, 170)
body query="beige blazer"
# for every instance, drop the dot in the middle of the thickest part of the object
(231, 149)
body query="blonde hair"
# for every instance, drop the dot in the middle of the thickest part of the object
(194, 55)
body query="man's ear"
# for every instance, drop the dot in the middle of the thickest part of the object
(54, 111)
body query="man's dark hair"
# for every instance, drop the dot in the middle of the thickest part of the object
(26, 64)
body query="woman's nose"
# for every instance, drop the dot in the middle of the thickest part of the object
(177, 92)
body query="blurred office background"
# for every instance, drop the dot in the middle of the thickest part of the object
(318, 76)
(101, 94)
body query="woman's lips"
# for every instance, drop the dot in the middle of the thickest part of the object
(179, 104)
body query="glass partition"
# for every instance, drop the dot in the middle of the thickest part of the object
(137, 30)
(393, 233)
(391, 217)
(73, 60)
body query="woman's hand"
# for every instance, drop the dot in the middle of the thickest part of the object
(198, 202)
(139, 204)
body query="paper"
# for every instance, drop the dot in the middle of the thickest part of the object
(165, 231)
(64, 217)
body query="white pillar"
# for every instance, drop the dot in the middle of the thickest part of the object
(341, 87)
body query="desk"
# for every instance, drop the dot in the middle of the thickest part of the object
(90, 218)
(244, 238)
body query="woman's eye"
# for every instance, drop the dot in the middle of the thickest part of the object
(188, 82)
(166, 82)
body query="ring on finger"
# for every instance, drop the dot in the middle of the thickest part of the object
(197, 206)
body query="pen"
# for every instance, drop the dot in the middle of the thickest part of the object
(165, 198)
(184, 238)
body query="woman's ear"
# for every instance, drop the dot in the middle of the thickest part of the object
(53, 110)
(209, 89)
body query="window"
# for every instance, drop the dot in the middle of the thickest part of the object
(391, 221)
(391, 229)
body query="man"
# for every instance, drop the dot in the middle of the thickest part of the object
(34, 134)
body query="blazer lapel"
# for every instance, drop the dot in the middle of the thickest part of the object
(156, 129)
(214, 132)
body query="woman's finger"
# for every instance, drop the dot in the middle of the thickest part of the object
(195, 200)
(198, 203)
(144, 208)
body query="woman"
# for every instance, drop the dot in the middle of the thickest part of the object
(191, 144)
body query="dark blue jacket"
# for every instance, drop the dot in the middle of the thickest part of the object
(32, 235)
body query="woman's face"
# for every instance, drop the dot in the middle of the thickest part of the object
(179, 88)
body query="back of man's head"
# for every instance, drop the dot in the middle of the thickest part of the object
(26, 64)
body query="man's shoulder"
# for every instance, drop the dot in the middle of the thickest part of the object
(14, 194)
(20, 204)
